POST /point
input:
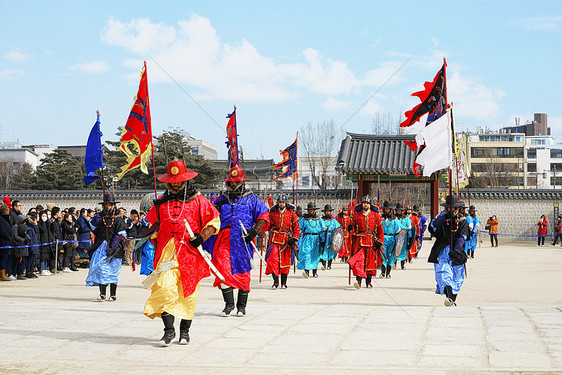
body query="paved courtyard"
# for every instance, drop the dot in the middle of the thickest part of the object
(509, 319)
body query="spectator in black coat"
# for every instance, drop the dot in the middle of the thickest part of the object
(21, 246)
(69, 229)
(55, 227)
(47, 253)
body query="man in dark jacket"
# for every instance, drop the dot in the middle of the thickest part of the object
(15, 212)
(83, 234)
(21, 246)
(54, 222)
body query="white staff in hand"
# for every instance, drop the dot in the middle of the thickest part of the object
(245, 233)
(206, 256)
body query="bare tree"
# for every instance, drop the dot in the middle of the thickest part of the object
(494, 173)
(319, 142)
(15, 175)
(385, 124)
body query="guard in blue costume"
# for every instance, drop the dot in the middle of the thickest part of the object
(404, 223)
(473, 225)
(329, 225)
(232, 250)
(309, 251)
(105, 264)
(390, 227)
(422, 226)
(449, 260)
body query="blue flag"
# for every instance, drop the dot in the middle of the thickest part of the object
(289, 162)
(94, 153)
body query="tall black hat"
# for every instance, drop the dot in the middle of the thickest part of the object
(416, 207)
(472, 209)
(109, 198)
(387, 205)
(399, 207)
(452, 201)
(328, 208)
(311, 206)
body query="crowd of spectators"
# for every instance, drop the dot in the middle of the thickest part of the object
(46, 240)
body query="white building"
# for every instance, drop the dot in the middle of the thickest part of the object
(203, 148)
(544, 162)
(19, 156)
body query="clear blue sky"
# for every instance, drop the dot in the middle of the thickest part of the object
(282, 63)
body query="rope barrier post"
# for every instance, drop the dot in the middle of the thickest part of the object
(56, 256)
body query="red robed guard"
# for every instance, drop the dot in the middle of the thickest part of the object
(283, 237)
(345, 221)
(366, 256)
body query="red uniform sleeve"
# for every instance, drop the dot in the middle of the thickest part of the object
(152, 215)
(380, 231)
(296, 227)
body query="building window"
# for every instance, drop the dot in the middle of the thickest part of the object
(531, 167)
(531, 154)
(555, 153)
(194, 150)
(305, 181)
(558, 167)
(504, 151)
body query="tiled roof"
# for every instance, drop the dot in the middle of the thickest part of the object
(511, 194)
(368, 153)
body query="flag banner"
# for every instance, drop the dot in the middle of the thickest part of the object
(289, 162)
(136, 140)
(460, 165)
(232, 140)
(433, 100)
(435, 142)
(94, 153)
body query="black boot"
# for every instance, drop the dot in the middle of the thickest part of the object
(103, 292)
(388, 268)
(368, 281)
(383, 271)
(112, 292)
(323, 262)
(472, 254)
(284, 281)
(357, 283)
(275, 281)
(314, 273)
(184, 331)
(402, 262)
(449, 301)
(305, 274)
(73, 263)
(455, 298)
(330, 264)
(241, 303)
(228, 296)
(169, 331)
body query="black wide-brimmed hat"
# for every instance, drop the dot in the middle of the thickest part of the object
(416, 207)
(387, 205)
(328, 208)
(311, 206)
(109, 198)
(399, 207)
(472, 209)
(452, 201)
(299, 209)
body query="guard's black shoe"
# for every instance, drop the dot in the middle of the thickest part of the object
(166, 340)
(284, 286)
(275, 286)
(101, 297)
(227, 310)
(112, 298)
(184, 338)
(369, 285)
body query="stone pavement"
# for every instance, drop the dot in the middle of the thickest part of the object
(509, 319)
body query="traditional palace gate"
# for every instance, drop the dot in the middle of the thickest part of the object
(373, 161)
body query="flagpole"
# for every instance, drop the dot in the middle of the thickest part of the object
(297, 171)
(102, 176)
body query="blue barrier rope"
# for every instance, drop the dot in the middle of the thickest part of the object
(513, 235)
(41, 244)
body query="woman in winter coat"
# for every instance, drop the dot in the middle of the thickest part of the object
(542, 224)
(68, 234)
(20, 252)
(46, 252)
(33, 234)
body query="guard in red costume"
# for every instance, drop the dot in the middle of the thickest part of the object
(174, 294)
(345, 221)
(283, 235)
(413, 235)
(366, 257)
(232, 251)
